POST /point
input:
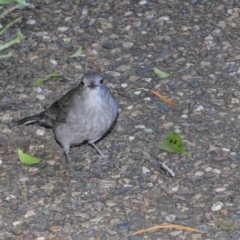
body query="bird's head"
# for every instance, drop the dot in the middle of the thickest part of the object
(92, 81)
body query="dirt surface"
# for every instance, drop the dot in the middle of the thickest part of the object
(198, 41)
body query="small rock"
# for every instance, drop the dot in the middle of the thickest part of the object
(110, 203)
(208, 169)
(128, 44)
(74, 194)
(124, 85)
(140, 126)
(143, 2)
(123, 226)
(47, 186)
(199, 108)
(51, 162)
(16, 223)
(137, 237)
(145, 170)
(217, 206)
(40, 132)
(62, 29)
(170, 217)
(216, 171)
(31, 21)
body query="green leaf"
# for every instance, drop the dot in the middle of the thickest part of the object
(77, 53)
(27, 159)
(9, 25)
(173, 143)
(5, 56)
(225, 224)
(19, 37)
(8, 10)
(23, 2)
(160, 73)
(39, 81)
(6, 1)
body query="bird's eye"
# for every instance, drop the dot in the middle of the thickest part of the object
(101, 81)
(82, 83)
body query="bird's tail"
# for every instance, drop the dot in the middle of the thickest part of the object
(40, 119)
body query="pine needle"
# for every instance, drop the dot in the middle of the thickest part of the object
(164, 99)
(189, 229)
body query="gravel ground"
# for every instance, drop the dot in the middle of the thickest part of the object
(198, 41)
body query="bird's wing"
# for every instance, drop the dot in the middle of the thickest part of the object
(61, 107)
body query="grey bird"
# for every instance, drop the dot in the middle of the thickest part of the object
(84, 114)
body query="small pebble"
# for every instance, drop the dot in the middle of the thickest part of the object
(124, 85)
(145, 170)
(62, 29)
(137, 92)
(136, 237)
(123, 226)
(51, 162)
(140, 126)
(31, 21)
(217, 206)
(170, 217)
(199, 108)
(208, 169)
(143, 2)
(128, 44)
(40, 132)
(16, 223)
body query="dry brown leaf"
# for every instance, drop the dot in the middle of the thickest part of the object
(220, 7)
(168, 227)
(55, 228)
(164, 99)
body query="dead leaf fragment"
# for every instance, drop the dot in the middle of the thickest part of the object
(55, 228)
(47, 186)
(220, 7)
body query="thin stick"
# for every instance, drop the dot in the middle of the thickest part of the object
(169, 170)
(164, 99)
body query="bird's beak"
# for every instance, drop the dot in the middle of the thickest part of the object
(92, 85)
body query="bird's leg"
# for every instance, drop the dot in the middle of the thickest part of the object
(66, 150)
(75, 175)
(108, 162)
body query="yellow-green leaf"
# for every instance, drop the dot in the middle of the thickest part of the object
(77, 53)
(225, 224)
(39, 81)
(27, 159)
(173, 143)
(160, 73)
